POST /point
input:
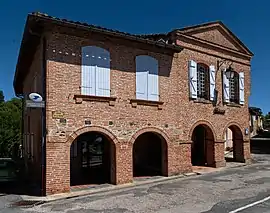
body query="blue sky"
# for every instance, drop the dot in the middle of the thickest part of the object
(249, 20)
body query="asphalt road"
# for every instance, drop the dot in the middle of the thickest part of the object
(243, 189)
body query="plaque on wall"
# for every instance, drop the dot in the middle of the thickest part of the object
(57, 115)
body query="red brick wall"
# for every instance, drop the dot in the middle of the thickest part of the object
(174, 121)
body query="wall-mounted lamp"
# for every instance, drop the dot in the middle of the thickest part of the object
(226, 62)
(229, 73)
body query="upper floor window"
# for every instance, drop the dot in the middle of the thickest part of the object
(233, 87)
(95, 76)
(147, 83)
(201, 81)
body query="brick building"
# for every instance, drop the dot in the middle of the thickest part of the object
(121, 105)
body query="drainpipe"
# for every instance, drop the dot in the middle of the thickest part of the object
(43, 122)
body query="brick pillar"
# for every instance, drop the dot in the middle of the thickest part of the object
(179, 157)
(247, 156)
(124, 163)
(57, 167)
(210, 152)
(219, 158)
(242, 151)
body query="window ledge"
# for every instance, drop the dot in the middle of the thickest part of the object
(233, 105)
(204, 101)
(80, 98)
(135, 102)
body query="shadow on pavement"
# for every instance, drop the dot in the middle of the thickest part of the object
(19, 188)
(260, 146)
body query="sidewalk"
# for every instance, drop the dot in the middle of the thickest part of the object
(101, 188)
(137, 182)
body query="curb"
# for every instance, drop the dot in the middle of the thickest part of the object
(86, 192)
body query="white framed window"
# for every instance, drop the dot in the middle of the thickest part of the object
(95, 76)
(202, 81)
(233, 88)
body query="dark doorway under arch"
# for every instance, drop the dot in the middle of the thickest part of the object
(202, 147)
(150, 155)
(92, 159)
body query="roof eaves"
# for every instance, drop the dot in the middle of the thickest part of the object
(139, 38)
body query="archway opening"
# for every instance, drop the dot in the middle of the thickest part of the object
(150, 155)
(202, 147)
(92, 160)
(234, 147)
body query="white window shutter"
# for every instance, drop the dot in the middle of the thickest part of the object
(141, 77)
(103, 82)
(212, 75)
(102, 72)
(153, 87)
(192, 69)
(226, 88)
(241, 88)
(141, 84)
(88, 72)
(153, 80)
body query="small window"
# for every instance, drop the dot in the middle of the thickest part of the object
(234, 88)
(202, 81)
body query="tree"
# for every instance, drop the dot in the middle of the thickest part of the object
(10, 126)
(2, 97)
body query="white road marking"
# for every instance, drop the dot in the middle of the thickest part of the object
(250, 205)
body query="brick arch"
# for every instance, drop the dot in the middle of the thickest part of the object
(236, 127)
(202, 122)
(205, 63)
(238, 141)
(161, 156)
(146, 54)
(100, 46)
(150, 129)
(99, 129)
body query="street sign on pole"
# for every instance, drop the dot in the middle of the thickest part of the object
(32, 104)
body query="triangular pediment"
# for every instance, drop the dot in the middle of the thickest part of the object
(216, 33)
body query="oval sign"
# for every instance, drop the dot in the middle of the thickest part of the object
(35, 97)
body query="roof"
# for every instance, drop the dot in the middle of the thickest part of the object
(215, 23)
(44, 16)
(35, 27)
(35, 23)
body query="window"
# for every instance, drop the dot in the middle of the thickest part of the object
(147, 83)
(95, 77)
(234, 88)
(202, 81)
